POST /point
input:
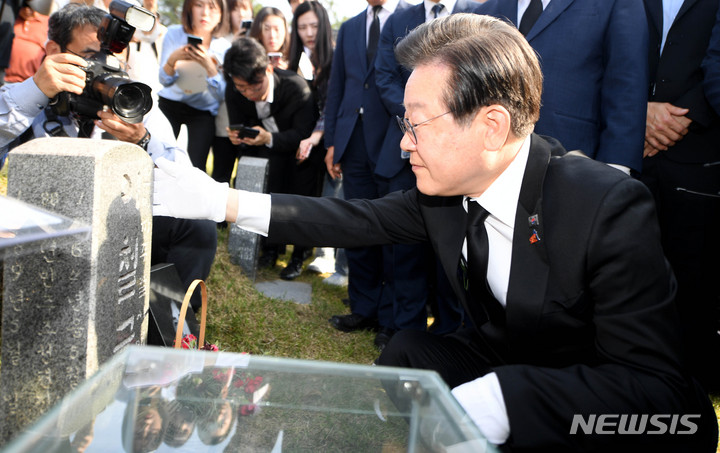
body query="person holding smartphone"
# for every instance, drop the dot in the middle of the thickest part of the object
(193, 85)
(240, 13)
(270, 29)
(278, 104)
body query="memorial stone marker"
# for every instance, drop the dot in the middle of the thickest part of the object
(67, 308)
(244, 246)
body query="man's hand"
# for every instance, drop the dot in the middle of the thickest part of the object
(263, 138)
(334, 170)
(303, 151)
(125, 132)
(666, 125)
(61, 72)
(186, 192)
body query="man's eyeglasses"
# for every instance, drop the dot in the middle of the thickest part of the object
(408, 128)
(254, 88)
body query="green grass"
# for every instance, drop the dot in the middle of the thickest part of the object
(241, 319)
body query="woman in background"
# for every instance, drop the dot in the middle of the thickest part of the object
(191, 77)
(240, 11)
(311, 53)
(270, 29)
(224, 152)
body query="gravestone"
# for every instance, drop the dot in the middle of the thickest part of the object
(244, 246)
(68, 307)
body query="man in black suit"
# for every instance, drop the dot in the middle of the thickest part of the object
(682, 149)
(565, 282)
(279, 105)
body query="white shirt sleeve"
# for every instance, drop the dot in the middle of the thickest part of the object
(253, 212)
(483, 401)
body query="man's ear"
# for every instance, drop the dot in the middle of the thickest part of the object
(496, 121)
(52, 48)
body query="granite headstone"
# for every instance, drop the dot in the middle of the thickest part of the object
(244, 246)
(67, 308)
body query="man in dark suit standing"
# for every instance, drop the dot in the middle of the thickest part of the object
(417, 277)
(355, 128)
(555, 257)
(279, 105)
(682, 149)
(592, 53)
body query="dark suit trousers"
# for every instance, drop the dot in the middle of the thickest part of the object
(689, 227)
(188, 244)
(458, 358)
(200, 127)
(368, 267)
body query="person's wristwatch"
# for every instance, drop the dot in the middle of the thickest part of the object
(143, 143)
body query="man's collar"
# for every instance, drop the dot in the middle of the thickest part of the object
(448, 4)
(500, 199)
(271, 88)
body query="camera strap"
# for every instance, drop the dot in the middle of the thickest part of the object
(52, 125)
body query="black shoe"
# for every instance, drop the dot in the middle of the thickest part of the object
(267, 260)
(383, 337)
(353, 322)
(292, 270)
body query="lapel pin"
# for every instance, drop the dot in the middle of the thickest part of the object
(534, 222)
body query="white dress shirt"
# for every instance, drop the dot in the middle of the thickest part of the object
(670, 10)
(264, 113)
(448, 4)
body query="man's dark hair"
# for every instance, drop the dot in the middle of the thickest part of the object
(490, 62)
(70, 17)
(246, 60)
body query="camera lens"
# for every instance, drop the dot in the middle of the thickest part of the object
(130, 100)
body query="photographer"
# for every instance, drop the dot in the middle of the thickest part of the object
(24, 113)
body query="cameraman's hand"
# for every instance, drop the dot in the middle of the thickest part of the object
(125, 132)
(187, 192)
(61, 72)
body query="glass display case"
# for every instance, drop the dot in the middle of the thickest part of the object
(170, 400)
(28, 226)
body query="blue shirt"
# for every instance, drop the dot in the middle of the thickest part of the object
(209, 100)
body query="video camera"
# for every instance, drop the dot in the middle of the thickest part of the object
(106, 83)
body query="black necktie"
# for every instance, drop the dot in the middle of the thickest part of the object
(477, 262)
(374, 36)
(531, 15)
(436, 10)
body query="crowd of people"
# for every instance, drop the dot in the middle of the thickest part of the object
(392, 106)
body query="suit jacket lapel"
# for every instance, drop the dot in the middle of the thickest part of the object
(360, 30)
(529, 267)
(553, 10)
(687, 4)
(654, 10)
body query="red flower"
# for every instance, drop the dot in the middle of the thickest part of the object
(247, 409)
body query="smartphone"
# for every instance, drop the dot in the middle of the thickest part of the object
(244, 130)
(194, 40)
(245, 26)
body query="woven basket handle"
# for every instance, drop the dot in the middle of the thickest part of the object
(183, 311)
